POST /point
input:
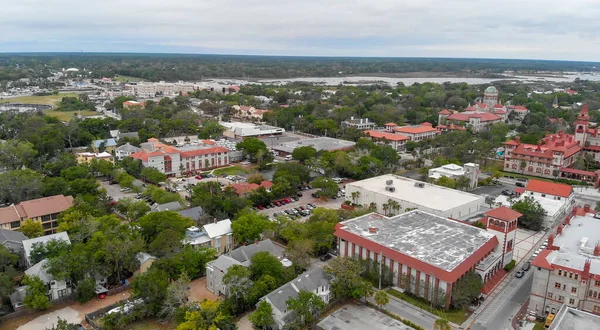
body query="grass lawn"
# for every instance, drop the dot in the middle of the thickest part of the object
(68, 115)
(454, 316)
(119, 78)
(235, 170)
(152, 324)
(46, 99)
(539, 326)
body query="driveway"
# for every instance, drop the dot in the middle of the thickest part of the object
(199, 292)
(49, 320)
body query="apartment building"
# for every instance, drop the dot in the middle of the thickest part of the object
(44, 210)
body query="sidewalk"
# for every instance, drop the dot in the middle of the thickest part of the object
(409, 312)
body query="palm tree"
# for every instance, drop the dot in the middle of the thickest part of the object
(442, 324)
(355, 195)
(393, 206)
(385, 209)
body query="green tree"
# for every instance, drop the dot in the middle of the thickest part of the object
(153, 175)
(49, 249)
(85, 290)
(442, 324)
(304, 153)
(209, 315)
(189, 260)
(463, 183)
(264, 263)
(151, 286)
(20, 185)
(326, 186)
(298, 251)
(445, 181)
(249, 226)
(239, 283)
(210, 129)
(132, 166)
(532, 213)
(15, 154)
(166, 242)
(176, 297)
(262, 318)
(467, 288)
(35, 294)
(347, 282)
(382, 298)
(253, 147)
(64, 325)
(152, 224)
(306, 305)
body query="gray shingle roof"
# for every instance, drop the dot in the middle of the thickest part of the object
(128, 147)
(244, 253)
(307, 281)
(11, 235)
(194, 212)
(172, 206)
(107, 143)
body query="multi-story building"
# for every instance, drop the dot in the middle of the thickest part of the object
(57, 288)
(453, 171)
(569, 318)
(126, 150)
(359, 123)
(557, 199)
(87, 157)
(109, 145)
(396, 141)
(43, 210)
(217, 235)
(390, 194)
(426, 254)
(477, 121)
(546, 159)
(567, 272)
(418, 132)
(239, 130)
(176, 161)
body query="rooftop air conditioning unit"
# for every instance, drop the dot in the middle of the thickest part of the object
(389, 182)
(420, 184)
(390, 189)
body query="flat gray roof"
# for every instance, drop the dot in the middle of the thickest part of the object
(572, 319)
(435, 240)
(360, 317)
(429, 196)
(319, 143)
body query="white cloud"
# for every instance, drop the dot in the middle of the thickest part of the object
(549, 29)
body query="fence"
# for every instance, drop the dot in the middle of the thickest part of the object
(91, 318)
(58, 303)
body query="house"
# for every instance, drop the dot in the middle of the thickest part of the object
(117, 135)
(132, 104)
(359, 123)
(87, 157)
(216, 269)
(171, 206)
(44, 210)
(195, 213)
(126, 150)
(477, 121)
(145, 260)
(12, 240)
(108, 144)
(243, 189)
(315, 281)
(30, 244)
(396, 141)
(56, 288)
(217, 235)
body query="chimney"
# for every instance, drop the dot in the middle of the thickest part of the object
(586, 208)
(586, 270)
(351, 118)
(597, 250)
(559, 230)
(550, 242)
(214, 220)
(372, 230)
(539, 145)
(518, 139)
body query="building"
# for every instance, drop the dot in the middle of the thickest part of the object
(567, 271)
(477, 121)
(87, 157)
(546, 159)
(132, 104)
(109, 145)
(217, 235)
(396, 141)
(453, 171)
(244, 188)
(315, 281)
(569, 318)
(56, 288)
(145, 260)
(44, 210)
(501, 222)
(216, 269)
(13, 241)
(177, 161)
(359, 123)
(426, 253)
(319, 143)
(360, 317)
(194, 213)
(490, 97)
(586, 135)
(248, 112)
(170, 206)
(29, 244)
(417, 133)
(126, 150)
(407, 193)
(238, 130)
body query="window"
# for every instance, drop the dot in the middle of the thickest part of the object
(559, 272)
(15, 224)
(62, 293)
(570, 275)
(576, 276)
(543, 195)
(550, 295)
(557, 285)
(573, 290)
(45, 218)
(597, 283)
(596, 309)
(572, 301)
(561, 298)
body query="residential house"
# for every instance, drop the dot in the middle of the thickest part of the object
(359, 123)
(216, 269)
(56, 288)
(12, 240)
(243, 189)
(108, 144)
(477, 121)
(126, 150)
(453, 171)
(315, 281)
(195, 213)
(217, 235)
(87, 157)
(171, 206)
(44, 210)
(30, 244)
(145, 260)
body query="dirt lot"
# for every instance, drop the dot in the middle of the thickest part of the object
(199, 292)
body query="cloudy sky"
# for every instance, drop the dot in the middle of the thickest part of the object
(539, 29)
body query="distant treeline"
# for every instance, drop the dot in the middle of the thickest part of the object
(172, 67)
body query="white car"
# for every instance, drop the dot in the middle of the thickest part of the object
(126, 308)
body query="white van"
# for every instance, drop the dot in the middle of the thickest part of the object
(288, 158)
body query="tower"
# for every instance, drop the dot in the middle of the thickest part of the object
(502, 222)
(581, 125)
(490, 97)
(472, 172)
(555, 103)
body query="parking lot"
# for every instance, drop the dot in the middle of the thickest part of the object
(114, 191)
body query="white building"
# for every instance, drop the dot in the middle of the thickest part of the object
(359, 123)
(556, 198)
(56, 288)
(29, 244)
(238, 130)
(453, 171)
(409, 194)
(217, 235)
(126, 150)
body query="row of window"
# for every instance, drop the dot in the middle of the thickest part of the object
(565, 273)
(564, 287)
(561, 298)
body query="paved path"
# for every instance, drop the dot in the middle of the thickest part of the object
(408, 312)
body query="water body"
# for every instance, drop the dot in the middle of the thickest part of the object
(362, 80)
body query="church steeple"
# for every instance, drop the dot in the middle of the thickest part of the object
(583, 120)
(555, 103)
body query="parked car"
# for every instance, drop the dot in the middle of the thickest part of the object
(124, 189)
(519, 274)
(199, 177)
(325, 257)
(526, 266)
(276, 203)
(299, 195)
(520, 184)
(260, 207)
(506, 192)
(312, 205)
(315, 195)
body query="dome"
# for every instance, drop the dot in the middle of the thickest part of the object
(491, 89)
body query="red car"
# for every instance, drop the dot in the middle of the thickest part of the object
(287, 200)
(198, 177)
(277, 203)
(260, 207)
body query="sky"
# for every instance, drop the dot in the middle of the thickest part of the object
(528, 29)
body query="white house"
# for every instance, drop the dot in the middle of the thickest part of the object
(29, 244)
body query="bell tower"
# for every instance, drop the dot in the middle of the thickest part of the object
(581, 125)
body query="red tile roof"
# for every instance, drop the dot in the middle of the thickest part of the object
(550, 188)
(244, 188)
(483, 116)
(209, 142)
(415, 129)
(387, 136)
(503, 213)
(542, 260)
(445, 112)
(498, 106)
(576, 171)
(266, 184)
(206, 151)
(391, 124)
(36, 208)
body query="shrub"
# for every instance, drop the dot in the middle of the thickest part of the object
(510, 266)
